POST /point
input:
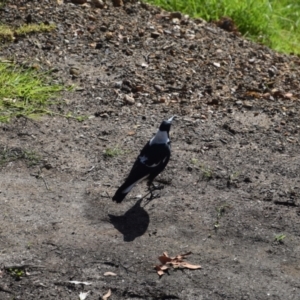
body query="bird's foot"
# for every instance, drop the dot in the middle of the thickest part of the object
(155, 187)
(152, 188)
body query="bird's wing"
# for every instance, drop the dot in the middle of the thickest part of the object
(154, 155)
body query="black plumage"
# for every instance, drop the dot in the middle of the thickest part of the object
(151, 161)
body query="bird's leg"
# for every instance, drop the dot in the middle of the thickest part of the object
(152, 187)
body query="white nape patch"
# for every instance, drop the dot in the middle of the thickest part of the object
(131, 186)
(161, 137)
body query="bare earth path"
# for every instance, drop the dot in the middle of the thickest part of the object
(232, 186)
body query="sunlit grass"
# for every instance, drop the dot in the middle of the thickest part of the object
(25, 92)
(276, 23)
(8, 33)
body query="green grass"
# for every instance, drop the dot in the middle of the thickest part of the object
(25, 92)
(113, 152)
(276, 23)
(220, 212)
(17, 273)
(8, 33)
(279, 238)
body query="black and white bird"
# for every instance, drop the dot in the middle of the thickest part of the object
(152, 160)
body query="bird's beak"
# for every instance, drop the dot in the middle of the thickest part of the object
(171, 119)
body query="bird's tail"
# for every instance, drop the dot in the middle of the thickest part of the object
(119, 196)
(122, 192)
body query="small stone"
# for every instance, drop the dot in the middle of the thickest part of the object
(129, 100)
(98, 3)
(75, 71)
(109, 35)
(176, 15)
(155, 34)
(103, 28)
(248, 104)
(117, 3)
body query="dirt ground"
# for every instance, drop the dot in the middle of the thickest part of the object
(232, 186)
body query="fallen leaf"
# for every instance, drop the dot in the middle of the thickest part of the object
(175, 262)
(110, 274)
(252, 94)
(107, 295)
(189, 266)
(82, 295)
(164, 259)
(160, 269)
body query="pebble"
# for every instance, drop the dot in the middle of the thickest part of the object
(98, 3)
(75, 71)
(248, 104)
(155, 34)
(129, 100)
(176, 15)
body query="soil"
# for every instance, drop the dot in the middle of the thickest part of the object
(231, 189)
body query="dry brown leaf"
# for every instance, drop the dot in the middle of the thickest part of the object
(252, 94)
(160, 269)
(110, 274)
(164, 258)
(107, 295)
(189, 266)
(175, 262)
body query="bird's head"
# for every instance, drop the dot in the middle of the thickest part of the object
(166, 124)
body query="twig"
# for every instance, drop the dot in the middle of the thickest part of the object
(39, 176)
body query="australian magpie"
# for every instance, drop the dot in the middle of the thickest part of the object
(151, 161)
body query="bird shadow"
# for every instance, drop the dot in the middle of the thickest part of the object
(133, 223)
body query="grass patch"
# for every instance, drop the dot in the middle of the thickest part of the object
(113, 152)
(207, 172)
(279, 238)
(275, 23)
(25, 92)
(8, 33)
(9, 155)
(220, 212)
(16, 273)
